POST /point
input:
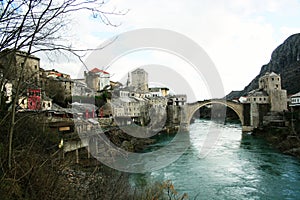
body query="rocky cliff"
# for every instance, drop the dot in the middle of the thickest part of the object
(285, 60)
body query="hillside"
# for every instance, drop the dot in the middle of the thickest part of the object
(285, 60)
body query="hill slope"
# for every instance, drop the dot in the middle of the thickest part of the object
(285, 60)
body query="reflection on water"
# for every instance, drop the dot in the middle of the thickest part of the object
(237, 167)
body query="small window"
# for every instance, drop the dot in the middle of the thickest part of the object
(260, 99)
(254, 99)
(272, 79)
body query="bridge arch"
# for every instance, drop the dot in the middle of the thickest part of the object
(193, 107)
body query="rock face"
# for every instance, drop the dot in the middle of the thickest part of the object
(285, 60)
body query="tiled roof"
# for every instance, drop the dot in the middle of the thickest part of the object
(96, 70)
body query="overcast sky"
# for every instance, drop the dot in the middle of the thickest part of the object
(238, 35)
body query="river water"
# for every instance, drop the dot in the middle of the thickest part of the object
(238, 167)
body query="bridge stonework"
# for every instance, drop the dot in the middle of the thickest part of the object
(191, 108)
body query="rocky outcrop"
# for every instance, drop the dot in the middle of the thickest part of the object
(285, 60)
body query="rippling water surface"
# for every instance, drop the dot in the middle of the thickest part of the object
(238, 167)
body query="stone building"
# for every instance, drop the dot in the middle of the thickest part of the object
(139, 80)
(80, 88)
(177, 100)
(55, 83)
(11, 63)
(97, 79)
(265, 101)
(54, 74)
(271, 83)
(129, 107)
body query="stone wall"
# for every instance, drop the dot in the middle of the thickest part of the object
(278, 100)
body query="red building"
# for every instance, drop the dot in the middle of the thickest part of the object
(34, 99)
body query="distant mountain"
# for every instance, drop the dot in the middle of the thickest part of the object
(285, 60)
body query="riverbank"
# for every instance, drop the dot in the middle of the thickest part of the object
(286, 139)
(280, 138)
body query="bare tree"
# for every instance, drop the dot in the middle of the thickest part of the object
(38, 25)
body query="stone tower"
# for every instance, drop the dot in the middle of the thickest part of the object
(271, 83)
(139, 80)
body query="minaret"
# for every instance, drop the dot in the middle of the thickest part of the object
(128, 80)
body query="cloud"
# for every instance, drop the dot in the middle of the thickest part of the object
(239, 36)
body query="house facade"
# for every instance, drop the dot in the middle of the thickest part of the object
(97, 79)
(295, 100)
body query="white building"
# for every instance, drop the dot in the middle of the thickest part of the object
(295, 100)
(46, 103)
(97, 79)
(23, 103)
(8, 92)
(159, 91)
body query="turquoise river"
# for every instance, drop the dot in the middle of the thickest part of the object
(238, 167)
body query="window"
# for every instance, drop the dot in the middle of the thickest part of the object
(260, 99)
(272, 79)
(254, 99)
(35, 66)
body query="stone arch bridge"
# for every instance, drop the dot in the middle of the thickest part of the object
(191, 108)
